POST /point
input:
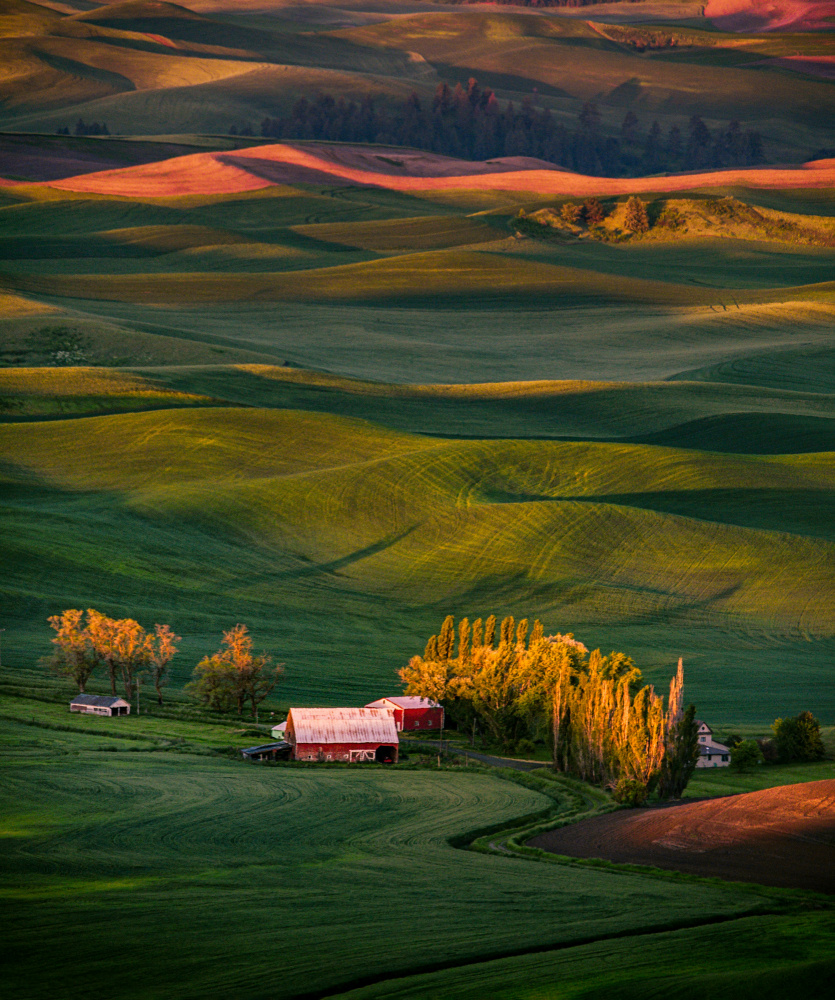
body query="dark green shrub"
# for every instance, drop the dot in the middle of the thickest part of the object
(630, 792)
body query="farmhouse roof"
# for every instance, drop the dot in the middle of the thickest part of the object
(97, 700)
(342, 725)
(711, 748)
(404, 701)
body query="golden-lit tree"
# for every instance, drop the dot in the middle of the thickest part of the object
(235, 675)
(74, 655)
(102, 632)
(162, 648)
(602, 725)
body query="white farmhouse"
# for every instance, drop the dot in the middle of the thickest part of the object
(711, 754)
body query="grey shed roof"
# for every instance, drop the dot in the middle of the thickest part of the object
(97, 700)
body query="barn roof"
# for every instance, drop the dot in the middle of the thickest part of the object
(99, 700)
(342, 725)
(404, 701)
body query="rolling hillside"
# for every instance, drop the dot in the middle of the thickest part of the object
(339, 317)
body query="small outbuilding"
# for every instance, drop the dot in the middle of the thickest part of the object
(279, 730)
(411, 713)
(348, 734)
(268, 751)
(96, 704)
(711, 754)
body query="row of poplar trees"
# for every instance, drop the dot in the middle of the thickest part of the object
(601, 723)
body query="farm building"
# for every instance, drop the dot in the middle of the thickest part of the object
(279, 730)
(96, 704)
(268, 751)
(711, 754)
(349, 734)
(411, 714)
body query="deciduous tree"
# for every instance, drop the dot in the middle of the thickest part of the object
(235, 675)
(162, 647)
(799, 738)
(74, 655)
(746, 755)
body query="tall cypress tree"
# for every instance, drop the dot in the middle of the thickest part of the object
(446, 639)
(490, 631)
(464, 636)
(478, 632)
(506, 634)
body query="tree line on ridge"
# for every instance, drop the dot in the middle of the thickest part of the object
(470, 123)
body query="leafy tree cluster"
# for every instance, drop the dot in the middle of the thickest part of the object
(119, 645)
(469, 122)
(590, 212)
(745, 754)
(234, 675)
(82, 128)
(226, 680)
(516, 682)
(798, 738)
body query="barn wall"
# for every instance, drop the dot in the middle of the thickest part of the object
(419, 718)
(335, 751)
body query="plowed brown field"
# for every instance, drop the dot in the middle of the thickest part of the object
(781, 836)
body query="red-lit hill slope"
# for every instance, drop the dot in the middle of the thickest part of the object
(408, 171)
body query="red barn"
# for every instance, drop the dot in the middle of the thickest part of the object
(412, 713)
(350, 734)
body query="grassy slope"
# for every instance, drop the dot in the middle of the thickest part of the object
(694, 314)
(770, 955)
(294, 522)
(337, 848)
(135, 67)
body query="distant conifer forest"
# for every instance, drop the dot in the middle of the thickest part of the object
(469, 122)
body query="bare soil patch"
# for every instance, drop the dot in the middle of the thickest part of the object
(781, 836)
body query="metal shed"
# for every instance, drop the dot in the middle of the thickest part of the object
(268, 751)
(349, 734)
(97, 704)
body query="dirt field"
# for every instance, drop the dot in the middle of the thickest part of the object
(781, 836)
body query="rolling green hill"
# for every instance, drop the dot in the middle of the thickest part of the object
(295, 521)
(337, 412)
(340, 848)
